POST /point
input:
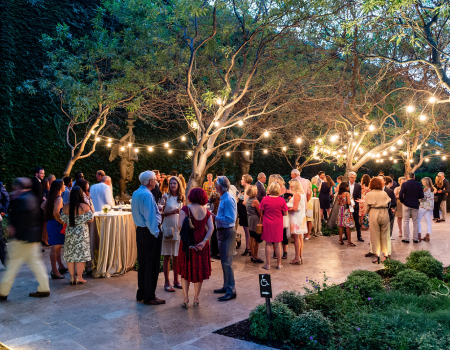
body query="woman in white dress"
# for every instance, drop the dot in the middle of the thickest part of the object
(297, 218)
(174, 201)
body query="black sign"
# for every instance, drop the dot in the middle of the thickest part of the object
(265, 286)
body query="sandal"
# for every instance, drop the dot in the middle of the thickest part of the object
(376, 261)
(295, 262)
(284, 255)
(279, 267)
(195, 304)
(341, 242)
(169, 289)
(350, 244)
(177, 286)
(185, 303)
(266, 267)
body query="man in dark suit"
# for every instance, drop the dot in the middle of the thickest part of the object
(394, 183)
(36, 181)
(446, 190)
(4, 205)
(156, 191)
(355, 194)
(409, 196)
(388, 189)
(260, 187)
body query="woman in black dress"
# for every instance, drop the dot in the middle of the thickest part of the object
(324, 197)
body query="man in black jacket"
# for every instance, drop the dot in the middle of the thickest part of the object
(260, 187)
(355, 193)
(446, 190)
(36, 188)
(4, 204)
(388, 183)
(24, 217)
(409, 196)
(156, 191)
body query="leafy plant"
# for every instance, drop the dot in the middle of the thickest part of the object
(312, 329)
(393, 267)
(293, 300)
(330, 231)
(411, 282)
(430, 267)
(413, 259)
(282, 318)
(364, 283)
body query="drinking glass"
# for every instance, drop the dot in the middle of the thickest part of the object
(117, 200)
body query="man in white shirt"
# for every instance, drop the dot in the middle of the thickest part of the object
(101, 194)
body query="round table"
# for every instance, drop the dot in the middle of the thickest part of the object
(125, 207)
(114, 245)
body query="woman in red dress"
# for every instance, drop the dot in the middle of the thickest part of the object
(195, 266)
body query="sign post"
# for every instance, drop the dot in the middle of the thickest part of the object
(265, 288)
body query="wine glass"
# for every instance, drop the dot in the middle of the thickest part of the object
(161, 204)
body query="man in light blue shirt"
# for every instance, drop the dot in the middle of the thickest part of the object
(147, 218)
(226, 236)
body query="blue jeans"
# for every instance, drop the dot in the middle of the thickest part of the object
(227, 241)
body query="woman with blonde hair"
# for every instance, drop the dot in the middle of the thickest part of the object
(317, 224)
(253, 215)
(297, 218)
(439, 197)
(273, 208)
(399, 212)
(426, 207)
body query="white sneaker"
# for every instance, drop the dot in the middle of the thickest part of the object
(235, 253)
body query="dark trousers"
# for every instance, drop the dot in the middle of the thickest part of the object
(214, 243)
(357, 224)
(149, 255)
(2, 246)
(392, 219)
(437, 205)
(227, 242)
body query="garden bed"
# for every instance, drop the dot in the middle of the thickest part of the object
(403, 306)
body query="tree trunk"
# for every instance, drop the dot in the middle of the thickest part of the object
(69, 167)
(198, 172)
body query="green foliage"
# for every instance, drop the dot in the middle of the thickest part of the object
(413, 259)
(313, 329)
(330, 231)
(293, 300)
(430, 266)
(393, 267)
(411, 282)
(364, 283)
(282, 318)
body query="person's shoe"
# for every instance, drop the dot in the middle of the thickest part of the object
(63, 271)
(227, 297)
(368, 255)
(360, 239)
(56, 277)
(405, 241)
(284, 255)
(3, 297)
(416, 241)
(155, 301)
(246, 252)
(39, 294)
(220, 291)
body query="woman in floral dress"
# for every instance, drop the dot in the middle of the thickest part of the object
(76, 214)
(345, 218)
(363, 218)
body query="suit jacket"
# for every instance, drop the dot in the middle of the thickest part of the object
(25, 217)
(4, 199)
(36, 188)
(356, 195)
(446, 188)
(261, 191)
(156, 193)
(392, 195)
(410, 193)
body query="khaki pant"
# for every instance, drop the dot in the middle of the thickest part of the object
(444, 209)
(379, 224)
(21, 252)
(414, 214)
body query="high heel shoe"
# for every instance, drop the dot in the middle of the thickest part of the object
(195, 304)
(78, 281)
(72, 281)
(56, 277)
(185, 303)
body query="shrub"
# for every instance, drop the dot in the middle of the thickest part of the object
(293, 300)
(430, 266)
(363, 282)
(433, 341)
(393, 267)
(282, 318)
(437, 285)
(413, 259)
(330, 231)
(411, 282)
(313, 329)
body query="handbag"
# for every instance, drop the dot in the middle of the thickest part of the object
(259, 227)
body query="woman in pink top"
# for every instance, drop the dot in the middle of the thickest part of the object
(273, 208)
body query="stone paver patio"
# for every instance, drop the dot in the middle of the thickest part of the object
(103, 313)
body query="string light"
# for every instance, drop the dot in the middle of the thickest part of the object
(136, 150)
(373, 155)
(219, 101)
(190, 153)
(122, 148)
(150, 149)
(266, 134)
(395, 161)
(129, 144)
(216, 124)
(384, 153)
(227, 154)
(334, 153)
(427, 159)
(410, 109)
(284, 148)
(97, 139)
(109, 145)
(381, 160)
(356, 158)
(334, 138)
(419, 147)
(265, 151)
(426, 145)
(390, 158)
(170, 151)
(438, 152)
(422, 117)
(299, 140)
(340, 151)
(411, 160)
(240, 123)
(109, 140)
(400, 142)
(371, 128)
(444, 158)
(354, 144)
(93, 132)
(377, 160)
(345, 147)
(183, 138)
(166, 145)
(356, 133)
(433, 99)
(392, 149)
(247, 153)
(378, 155)
(320, 140)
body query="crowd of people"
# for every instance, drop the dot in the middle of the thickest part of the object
(190, 231)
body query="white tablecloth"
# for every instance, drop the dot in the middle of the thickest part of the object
(113, 246)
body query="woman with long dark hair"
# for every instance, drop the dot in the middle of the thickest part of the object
(76, 214)
(52, 210)
(84, 185)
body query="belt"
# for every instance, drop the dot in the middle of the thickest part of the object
(380, 208)
(224, 228)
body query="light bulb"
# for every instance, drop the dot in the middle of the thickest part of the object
(354, 144)
(265, 151)
(400, 142)
(228, 154)
(356, 133)
(345, 147)
(247, 153)
(216, 124)
(170, 151)
(240, 123)
(109, 140)
(392, 149)
(422, 117)
(194, 125)
(426, 145)
(340, 151)
(284, 148)
(433, 99)
(444, 158)
(166, 145)
(384, 153)
(373, 155)
(334, 138)
(411, 160)
(93, 132)
(183, 138)
(129, 144)
(356, 158)
(97, 139)
(320, 140)
(299, 140)
(427, 159)
(136, 150)
(266, 134)
(345, 156)
(378, 155)
(381, 160)
(190, 153)
(334, 153)
(122, 148)
(390, 158)
(438, 152)
(419, 147)
(395, 161)
(150, 149)
(410, 109)
(377, 160)
(109, 145)
(371, 128)
(219, 101)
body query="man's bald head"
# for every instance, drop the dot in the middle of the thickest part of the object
(106, 180)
